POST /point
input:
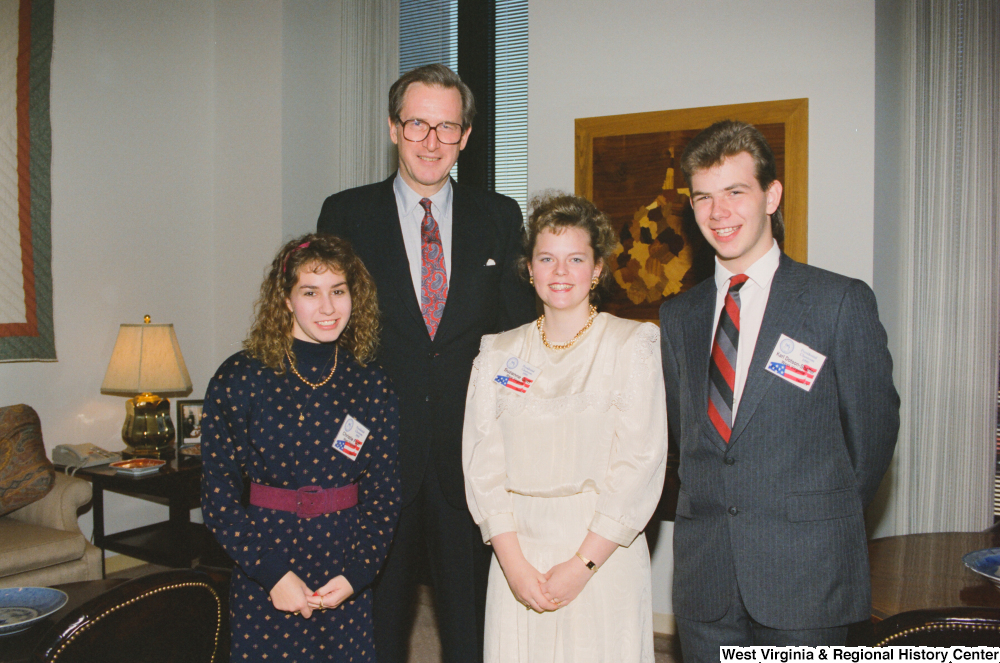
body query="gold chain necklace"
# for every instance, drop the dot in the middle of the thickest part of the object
(302, 414)
(318, 384)
(568, 344)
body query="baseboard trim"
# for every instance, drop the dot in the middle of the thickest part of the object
(664, 624)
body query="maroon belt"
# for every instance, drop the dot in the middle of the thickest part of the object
(307, 501)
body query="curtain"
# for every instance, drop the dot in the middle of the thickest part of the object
(951, 298)
(369, 45)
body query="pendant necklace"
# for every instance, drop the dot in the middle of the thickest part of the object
(314, 385)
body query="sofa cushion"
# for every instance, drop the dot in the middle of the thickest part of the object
(26, 475)
(24, 547)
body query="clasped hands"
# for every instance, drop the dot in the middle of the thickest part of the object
(546, 592)
(292, 595)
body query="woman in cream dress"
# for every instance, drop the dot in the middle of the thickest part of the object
(563, 472)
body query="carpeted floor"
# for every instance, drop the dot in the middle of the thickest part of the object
(424, 644)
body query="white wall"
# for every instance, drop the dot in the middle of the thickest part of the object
(311, 109)
(131, 206)
(247, 123)
(592, 58)
(169, 138)
(890, 74)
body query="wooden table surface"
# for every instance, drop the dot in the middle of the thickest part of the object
(18, 647)
(916, 571)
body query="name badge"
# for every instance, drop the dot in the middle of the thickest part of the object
(351, 437)
(516, 375)
(795, 363)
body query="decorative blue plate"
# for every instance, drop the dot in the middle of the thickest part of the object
(21, 607)
(986, 563)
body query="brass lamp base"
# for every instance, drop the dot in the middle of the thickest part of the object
(148, 431)
(163, 453)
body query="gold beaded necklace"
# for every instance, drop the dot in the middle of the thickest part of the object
(336, 351)
(540, 323)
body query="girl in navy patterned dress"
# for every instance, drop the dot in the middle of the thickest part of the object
(299, 496)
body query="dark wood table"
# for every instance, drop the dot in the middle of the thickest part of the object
(18, 647)
(920, 571)
(177, 542)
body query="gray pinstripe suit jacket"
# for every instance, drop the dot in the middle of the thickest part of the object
(780, 508)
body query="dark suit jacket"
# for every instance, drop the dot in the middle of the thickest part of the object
(780, 509)
(431, 377)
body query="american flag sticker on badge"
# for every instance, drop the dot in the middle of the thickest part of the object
(516, 375)
(351, 437)
(795, 363)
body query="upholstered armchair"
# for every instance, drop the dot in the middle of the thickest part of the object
(40, 539)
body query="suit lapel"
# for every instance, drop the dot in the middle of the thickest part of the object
(784, 312)
(384, 223)
(464, 236)
(698, 343)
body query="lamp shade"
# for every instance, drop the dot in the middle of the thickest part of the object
(146, 358)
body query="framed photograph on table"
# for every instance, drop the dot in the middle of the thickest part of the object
(629, 166)
(188, 425)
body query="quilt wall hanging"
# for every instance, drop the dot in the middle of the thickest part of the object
(26, 328)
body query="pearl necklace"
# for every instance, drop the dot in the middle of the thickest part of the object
(568, 344)
(318, 384)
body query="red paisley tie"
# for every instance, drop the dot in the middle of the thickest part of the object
(433, 278)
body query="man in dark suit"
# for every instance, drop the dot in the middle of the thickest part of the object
(443, 258)
(780, 397)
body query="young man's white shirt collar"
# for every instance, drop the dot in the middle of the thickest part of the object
(411, 216)
(753, 302)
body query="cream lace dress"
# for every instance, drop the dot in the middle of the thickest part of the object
(584, 449)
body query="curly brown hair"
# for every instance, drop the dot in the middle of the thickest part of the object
(554, 210)
(270, 335)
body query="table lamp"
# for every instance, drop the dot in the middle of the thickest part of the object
(147, 358)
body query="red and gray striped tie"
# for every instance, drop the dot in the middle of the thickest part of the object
(722, 368)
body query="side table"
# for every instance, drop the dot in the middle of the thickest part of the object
(925, 571)
(177, 543)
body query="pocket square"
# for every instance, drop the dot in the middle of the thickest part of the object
(491, 263)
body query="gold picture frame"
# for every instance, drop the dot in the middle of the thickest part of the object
(629, 166)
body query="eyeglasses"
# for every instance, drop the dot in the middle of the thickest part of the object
(448, 133)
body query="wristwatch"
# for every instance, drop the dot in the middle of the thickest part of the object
(590, 565)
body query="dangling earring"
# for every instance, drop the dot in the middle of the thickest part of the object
(593, 284)
(531, 280)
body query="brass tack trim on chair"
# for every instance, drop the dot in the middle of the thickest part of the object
(937, 627)
(95, 620)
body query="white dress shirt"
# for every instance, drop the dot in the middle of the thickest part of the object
(753, 301)
(411, 216)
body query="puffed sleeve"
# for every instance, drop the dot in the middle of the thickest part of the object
(483, 458)
(378, 488)
(224, 447)
(632, 486)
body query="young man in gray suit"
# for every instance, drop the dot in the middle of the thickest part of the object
(780, 397)
(443, 257)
